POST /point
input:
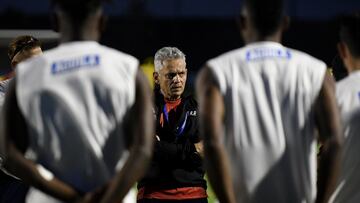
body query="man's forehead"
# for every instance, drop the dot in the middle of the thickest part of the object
(174, 64)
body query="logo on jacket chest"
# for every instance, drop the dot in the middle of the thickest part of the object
(192, 113)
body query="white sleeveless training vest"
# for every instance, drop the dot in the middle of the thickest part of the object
(269, 93)
(348, 97)
(74, 99)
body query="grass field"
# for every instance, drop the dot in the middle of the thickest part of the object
(210, 192)
(212, 197)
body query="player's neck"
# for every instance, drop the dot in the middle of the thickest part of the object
(356, 65)
(272, 38)
(72, 38)
(86, 32)
(79, 36)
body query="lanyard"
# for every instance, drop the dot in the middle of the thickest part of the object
(182, 126)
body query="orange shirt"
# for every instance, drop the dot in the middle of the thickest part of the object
(169, 105)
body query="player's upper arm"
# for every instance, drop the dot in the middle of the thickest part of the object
(140, 119)
(211, 105)
(327, 113)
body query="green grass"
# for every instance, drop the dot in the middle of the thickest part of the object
(210, 192)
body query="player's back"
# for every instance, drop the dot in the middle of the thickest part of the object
(269, 93)
(348, 97)
(74, 99)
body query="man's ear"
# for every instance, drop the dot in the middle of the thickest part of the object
(241, 22)
(156, 78)
(341, 47)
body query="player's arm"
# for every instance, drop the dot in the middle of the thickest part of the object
(329, 126)
(211, 108)
(141, 130)
(14, 136)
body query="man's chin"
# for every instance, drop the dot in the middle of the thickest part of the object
(176, 94)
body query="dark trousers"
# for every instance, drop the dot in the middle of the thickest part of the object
(11, 189)
(203, 200)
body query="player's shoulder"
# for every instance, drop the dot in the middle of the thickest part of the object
(117, 54)
(342, 84)
(37, 61)
(302, 57)
(228, 56)
(120, 60)
(349, 82)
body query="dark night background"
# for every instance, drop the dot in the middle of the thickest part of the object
(201, 28)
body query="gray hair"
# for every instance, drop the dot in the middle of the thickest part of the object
(167, 53)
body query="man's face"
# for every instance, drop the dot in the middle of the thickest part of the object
(25, 54)
(172, 78)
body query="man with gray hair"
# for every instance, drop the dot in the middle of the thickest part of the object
(176, 172)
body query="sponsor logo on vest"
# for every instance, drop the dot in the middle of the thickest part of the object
(263, 53)
(67, 65)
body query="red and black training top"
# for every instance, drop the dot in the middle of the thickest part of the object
(176, 170)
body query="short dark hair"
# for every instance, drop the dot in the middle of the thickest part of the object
(78, 10)
(22, 43)
(350, 32)
(266, 15)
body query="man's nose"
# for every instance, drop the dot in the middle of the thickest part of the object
(177, 78)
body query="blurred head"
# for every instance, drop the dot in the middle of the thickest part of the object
(349, 45)
(170, 72)
(22, 48)
(79, 19)
(261, 19)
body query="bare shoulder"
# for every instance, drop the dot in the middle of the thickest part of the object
(205, 77)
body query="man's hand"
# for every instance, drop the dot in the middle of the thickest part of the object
(93, 196)
(200, 148)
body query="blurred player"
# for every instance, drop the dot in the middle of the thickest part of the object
(83, 112)
(259, 106)
(348, 96)
(20, 49)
